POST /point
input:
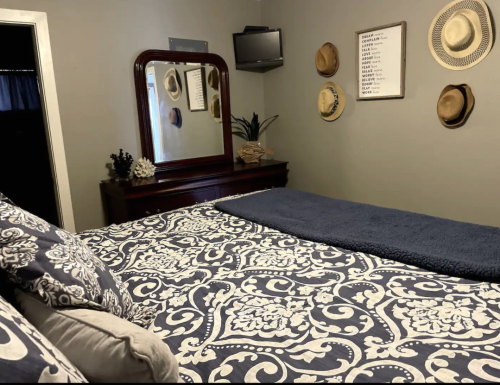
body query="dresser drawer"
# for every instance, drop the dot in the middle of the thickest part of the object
(151, 206)
(251, 186)
(137, 198)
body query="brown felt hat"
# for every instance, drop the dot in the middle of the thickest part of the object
(454, 105)
(327, 60)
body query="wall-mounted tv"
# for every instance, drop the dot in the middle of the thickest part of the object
(259, 49)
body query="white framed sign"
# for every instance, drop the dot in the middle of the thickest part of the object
(381, 62)
(196, 89)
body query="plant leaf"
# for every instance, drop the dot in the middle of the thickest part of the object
(236, 122)
(242, 124)
(240, 130)
(255, 127)
(264, 126)
(241, 135)
(246, 122)
(242, 120)
(272, 117)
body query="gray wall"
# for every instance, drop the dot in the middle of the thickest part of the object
(391, 153)
(94, 46)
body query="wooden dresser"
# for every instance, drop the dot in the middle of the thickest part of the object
(138, 198)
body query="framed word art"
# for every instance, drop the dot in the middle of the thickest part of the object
(196, 89)
(381, 62)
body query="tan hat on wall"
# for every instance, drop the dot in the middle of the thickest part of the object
(327, 60)
(461, 35)
(331, 101)
(455, 105)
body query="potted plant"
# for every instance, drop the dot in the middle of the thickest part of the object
(251, 151)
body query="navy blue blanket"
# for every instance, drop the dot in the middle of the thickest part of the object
(448, 247)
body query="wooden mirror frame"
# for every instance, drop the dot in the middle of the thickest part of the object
(143, 106)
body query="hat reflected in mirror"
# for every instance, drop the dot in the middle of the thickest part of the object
(173, 85)
(215, 109)
(175, 117)
(213, 79)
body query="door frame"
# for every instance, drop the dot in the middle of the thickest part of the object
(50, 106)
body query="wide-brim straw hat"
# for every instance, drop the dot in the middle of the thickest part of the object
(455, 105)
(172, 76)
(461, 34)
(331, 101)
(215, 108)
(327, 60)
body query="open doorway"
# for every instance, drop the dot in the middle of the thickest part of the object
(27, 178)
(34, 171)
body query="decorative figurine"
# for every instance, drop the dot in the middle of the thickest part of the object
(122, 164)
(251, 152)
(144, 168)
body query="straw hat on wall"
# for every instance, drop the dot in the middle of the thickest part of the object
(331, 101)
(455, 105)
(461, 35)
(327, 60)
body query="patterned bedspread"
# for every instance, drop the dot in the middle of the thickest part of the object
(240, 302)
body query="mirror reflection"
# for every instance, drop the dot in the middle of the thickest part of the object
(185, 110)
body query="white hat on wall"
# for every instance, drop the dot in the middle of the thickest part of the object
(331, 101)
(461, 35)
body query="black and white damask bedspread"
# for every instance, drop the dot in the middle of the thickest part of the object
(238, 302)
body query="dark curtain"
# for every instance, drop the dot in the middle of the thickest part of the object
(26, 173)
(26, 176)
(19, 91)
(24, 152)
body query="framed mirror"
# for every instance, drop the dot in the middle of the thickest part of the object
(184, 109)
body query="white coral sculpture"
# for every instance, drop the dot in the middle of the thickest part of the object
(144, 168)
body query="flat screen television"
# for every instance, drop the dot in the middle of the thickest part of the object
(258, 49)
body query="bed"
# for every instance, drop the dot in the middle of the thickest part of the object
(240, 302)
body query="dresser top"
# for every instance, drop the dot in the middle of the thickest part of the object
(193, 174)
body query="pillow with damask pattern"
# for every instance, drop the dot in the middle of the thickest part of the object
(44, 259)
(26, 356)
